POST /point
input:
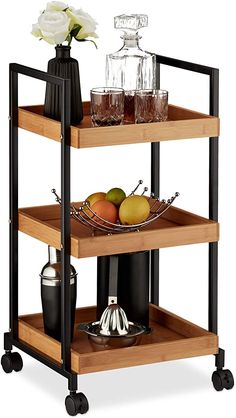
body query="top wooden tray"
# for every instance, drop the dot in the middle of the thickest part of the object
(182, 124)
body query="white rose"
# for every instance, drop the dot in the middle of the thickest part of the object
(36, 30)
(87, 23)
(54, 26)
(56, 6)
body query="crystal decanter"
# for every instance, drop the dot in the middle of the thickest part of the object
(131, 68)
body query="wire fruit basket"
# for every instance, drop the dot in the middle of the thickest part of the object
(85, 214)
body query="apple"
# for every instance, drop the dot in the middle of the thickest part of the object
(95, 197)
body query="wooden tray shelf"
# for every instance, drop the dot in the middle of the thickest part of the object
(175, 227)
(171, 338)
(182, 124)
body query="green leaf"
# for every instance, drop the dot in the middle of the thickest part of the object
(87, 40)
(74, 32)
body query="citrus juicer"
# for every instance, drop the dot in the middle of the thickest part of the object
(113, 329)
(113, 320)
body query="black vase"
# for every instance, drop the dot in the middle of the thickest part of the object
(63, 66)
(133, 285)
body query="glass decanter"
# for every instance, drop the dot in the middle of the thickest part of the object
(131, 68)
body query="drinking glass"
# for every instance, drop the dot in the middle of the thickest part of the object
(107, 106)
(151, 106)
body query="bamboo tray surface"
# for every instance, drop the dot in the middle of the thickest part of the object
(171, 338)
(174, 227)
(181, 124)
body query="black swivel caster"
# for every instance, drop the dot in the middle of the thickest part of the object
(222, 379)
(11, 361)
(76, 403)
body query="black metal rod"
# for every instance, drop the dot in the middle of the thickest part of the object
(220, 359)
(7, 341)
(13, 218)
(33, 73)
(213, 288)
(155, 188)
(155, 277)
(214, 148)
(72, 382)
(213, 207)
(65, 226)
(185, 65)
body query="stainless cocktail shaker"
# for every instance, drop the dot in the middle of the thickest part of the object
(51, 294)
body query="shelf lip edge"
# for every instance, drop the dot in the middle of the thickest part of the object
(148, 353)
(205, 231)
(187, 128)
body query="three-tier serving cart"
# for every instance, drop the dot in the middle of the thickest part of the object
(171, 336)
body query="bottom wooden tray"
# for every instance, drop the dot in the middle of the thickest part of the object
(171, 338)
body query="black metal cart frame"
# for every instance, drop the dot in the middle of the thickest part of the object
(11, 337)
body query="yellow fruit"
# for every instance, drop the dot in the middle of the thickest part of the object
(134, 210)
(95, 197)
(116, 196)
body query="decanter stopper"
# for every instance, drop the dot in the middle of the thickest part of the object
(132, 22)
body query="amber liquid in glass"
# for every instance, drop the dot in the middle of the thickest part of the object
(129, 108)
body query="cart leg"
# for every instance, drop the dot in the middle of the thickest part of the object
(222, 378)
(75, 402)
(220, 359)
(10, 360)
(7, 342)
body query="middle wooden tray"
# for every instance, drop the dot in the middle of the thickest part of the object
(175, 227)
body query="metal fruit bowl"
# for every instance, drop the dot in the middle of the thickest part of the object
(85, 215)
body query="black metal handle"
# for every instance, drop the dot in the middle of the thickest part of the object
(113, 275)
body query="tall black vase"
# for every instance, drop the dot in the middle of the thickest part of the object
(133, 285)
(63, 66)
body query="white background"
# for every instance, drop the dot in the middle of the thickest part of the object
(202, 32)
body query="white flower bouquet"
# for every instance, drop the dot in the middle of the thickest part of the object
(60, 23)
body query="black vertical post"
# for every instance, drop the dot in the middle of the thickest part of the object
(11, 338)
(13, 219)
(65, 226)
(155, 188)
(213, 206)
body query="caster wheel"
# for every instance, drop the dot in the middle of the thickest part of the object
(222, 379)
(11, 361)
(6, 363)
(17, 362)
(76, 403)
